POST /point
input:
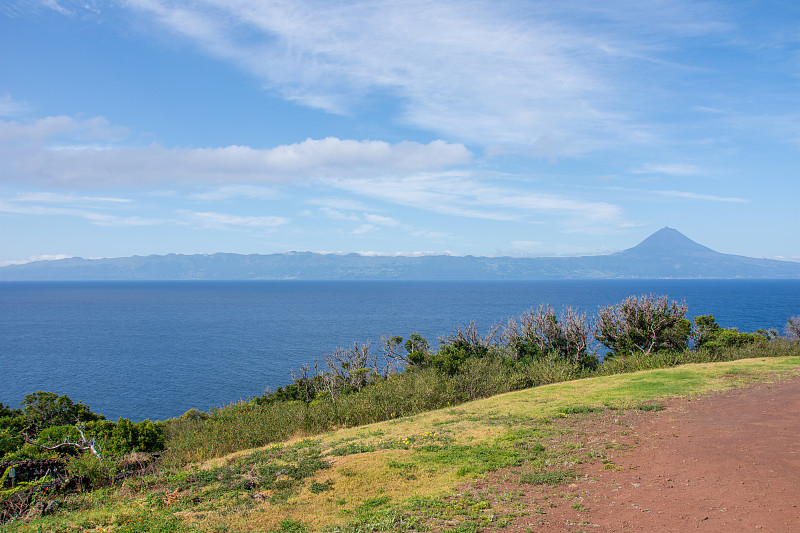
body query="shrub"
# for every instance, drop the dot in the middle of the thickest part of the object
(97, 471)
(710, 336)
(45, 409)
(792, 329)
(539, 333)
(463, 344)
(643, 324)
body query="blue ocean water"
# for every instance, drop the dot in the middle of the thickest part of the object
(155, 349)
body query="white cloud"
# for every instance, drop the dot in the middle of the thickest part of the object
(338, 203)
(364, 228)
(547, 77)
(97, 218)
(28, 155)
(673, 169)
(793, 258)
(371, 253)
(230, 192)
(453, 194)
(681, 194)
(59, 198)
(336, 214)
(526, 244)
(697, 196)
(222, 220)
(10, 107)
(44, 257)
(368, 222)
(17, 8)
(59, 128)
(433, 235)
(380, 220)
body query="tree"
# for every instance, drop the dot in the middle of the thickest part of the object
(708, 335)
(417, 348)
(793, 328)
(539, 333)
(12, 435)
(464, 343)
(45, 409)
(395, 360)
(642, 325)
(6, 410)
(705, 330)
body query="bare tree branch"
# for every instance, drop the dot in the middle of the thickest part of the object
(84, 445)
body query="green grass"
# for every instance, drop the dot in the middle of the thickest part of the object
(408, 473)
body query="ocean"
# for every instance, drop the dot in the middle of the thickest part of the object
(156, 349)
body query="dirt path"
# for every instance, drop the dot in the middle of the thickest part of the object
(724, 462)
(728, 462)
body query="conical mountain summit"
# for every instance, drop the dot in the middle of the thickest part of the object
(668, 240)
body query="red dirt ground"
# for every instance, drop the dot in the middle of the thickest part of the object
(722, 462)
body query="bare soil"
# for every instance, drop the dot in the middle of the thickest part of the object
(720, 462)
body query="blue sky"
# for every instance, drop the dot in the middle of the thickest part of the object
(138, 127)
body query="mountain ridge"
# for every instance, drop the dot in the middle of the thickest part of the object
(667, 253)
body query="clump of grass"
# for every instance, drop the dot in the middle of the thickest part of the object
(650, 406)
(316, 488)
(547, 477)
(579, 409)
(352, 448)
(290, 526)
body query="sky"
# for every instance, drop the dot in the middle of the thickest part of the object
(467, 127)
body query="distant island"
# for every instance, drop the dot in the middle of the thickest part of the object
(665, 254)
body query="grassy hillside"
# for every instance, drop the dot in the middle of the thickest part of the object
(420, 472)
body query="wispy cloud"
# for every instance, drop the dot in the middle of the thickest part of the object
(60, 198)
(364, 228)
(55, 129)
(367, 222)
(689, 195)
(671, 169)
(455, 194)
(338, 203)
(416, 253)
(45, 257)
(251, 192)
(222, 220)
(10, 107)
(526, 75)
(526, 244)
(337, 214)
(380, 220)
(96, 217)
(698, 196)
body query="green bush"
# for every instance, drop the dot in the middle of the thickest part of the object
(45, 409)
(710, 336)
(643, 325)
(98, 471)
(50, 420)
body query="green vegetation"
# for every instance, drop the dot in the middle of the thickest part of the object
(643, 325)
(50, 425)
(305, 457)
(404, 378)
(403, 474)
(53, 445)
